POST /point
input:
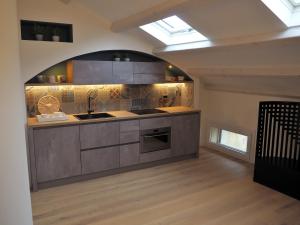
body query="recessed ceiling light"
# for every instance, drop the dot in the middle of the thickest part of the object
(173, 30)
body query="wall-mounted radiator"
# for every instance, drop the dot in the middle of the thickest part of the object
(277, 162)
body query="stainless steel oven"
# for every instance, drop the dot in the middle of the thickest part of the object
(155, 139)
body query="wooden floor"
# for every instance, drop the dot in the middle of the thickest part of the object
(211, 190)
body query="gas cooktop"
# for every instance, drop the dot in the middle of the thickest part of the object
(147, 111)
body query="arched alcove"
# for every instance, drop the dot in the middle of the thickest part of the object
(173, 88)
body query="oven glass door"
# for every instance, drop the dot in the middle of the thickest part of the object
(155, 140)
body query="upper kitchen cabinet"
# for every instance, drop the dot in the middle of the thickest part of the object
(104, 67)
(149, 72)
(122, 73)
(111, 72)
(89, 72)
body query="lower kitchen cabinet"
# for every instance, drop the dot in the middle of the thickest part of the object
(129, 154)
(99, 135)
(70, 151)
(57, 152)
(185, 134)
(101, 159)
(155, 156)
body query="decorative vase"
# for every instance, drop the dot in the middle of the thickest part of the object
(56, 38)
(39, 37)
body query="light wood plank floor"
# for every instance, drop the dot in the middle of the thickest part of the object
(211, 190)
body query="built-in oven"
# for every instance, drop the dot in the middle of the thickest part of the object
(155, 139)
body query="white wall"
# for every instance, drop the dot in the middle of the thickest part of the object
(15, 206)
(232, 110)
(91, 34)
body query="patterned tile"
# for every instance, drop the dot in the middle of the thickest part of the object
(74, 99)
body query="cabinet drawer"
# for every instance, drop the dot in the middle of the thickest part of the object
(154, 156)
(130, 125)
(129, 154)
(100, 159)
(99, 135)
(155, 123)
(129, 137)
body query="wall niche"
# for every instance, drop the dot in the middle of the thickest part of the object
(45, 31)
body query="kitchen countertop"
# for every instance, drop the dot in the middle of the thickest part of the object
(118, 115)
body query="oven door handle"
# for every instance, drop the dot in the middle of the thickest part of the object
(155, 135)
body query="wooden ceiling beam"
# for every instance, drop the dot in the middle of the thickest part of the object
(164, 9)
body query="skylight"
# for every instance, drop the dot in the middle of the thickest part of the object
(288, 11)
(295, 2)
(173, 30)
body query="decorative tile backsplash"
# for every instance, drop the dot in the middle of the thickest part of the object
(74, 99)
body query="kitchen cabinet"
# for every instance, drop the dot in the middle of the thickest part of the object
(57, 152)
(129, 131)
(129, 154)
(155, 156)
(153, 123)
(89, 72)
(148, 72)
(122, 72)
(99, 135)
(65, 151)
(111, 72)
(185, 134)
(148, 67)
(101, 159)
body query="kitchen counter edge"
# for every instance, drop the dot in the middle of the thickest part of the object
(118, 116)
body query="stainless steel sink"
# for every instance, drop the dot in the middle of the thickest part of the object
(93, 116)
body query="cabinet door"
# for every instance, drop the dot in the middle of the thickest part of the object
(148, 72)
(149, 67)
(99, 135)
(92, 72)
(123, 72)
(100, 159)
(57, 153)
(129, 154)
(185, 134)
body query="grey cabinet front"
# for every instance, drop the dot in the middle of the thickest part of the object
(185, 134)
(100, 159)
(99, 135)
(129, 154)
(148, 72)
(129, 131)
(153, 123)
(57, 152)
(92, 72)
(122, 72)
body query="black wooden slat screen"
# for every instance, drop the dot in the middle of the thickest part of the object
(278, 144)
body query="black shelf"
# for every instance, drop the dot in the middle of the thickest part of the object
(28, 30)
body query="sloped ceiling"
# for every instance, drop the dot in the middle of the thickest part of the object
(219, 20)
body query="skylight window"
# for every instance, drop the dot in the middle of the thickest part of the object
(173, 30)
(295, 2)
(288, 11)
